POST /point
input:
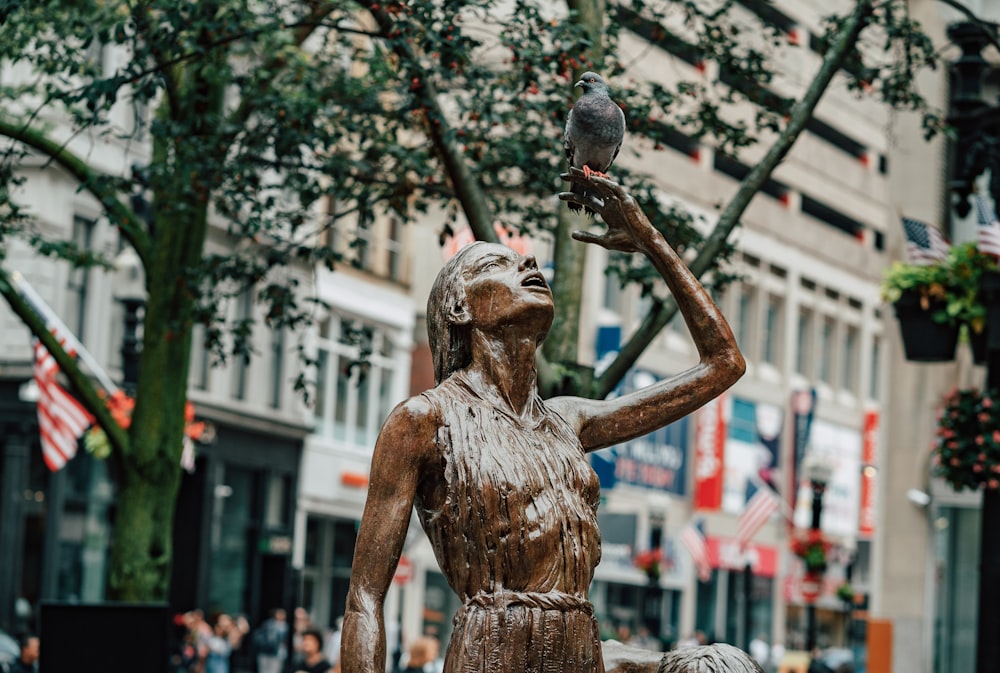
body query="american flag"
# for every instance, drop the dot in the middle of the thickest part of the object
(693, 538)
(924, 244)
(762, 504)
(61, 419)
(988, 231)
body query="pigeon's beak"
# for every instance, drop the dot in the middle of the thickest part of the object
(580, 83)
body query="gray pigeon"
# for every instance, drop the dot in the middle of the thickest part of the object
(595, 128)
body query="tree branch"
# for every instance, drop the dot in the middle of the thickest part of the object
(801, 113)
(304, 28)
(81, 385)
(468, 190)
(120, 215)
(143, 27)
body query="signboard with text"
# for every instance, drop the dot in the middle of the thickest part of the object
(657, 460)
(709, 454)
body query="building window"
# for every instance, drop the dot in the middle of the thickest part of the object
(849, 364)
(356, 375)
(326, 574)
(803, 342)
(826, 339)
(771, 342)
(394, 250)
(200, 364)
(277, 365)
(78, 282)
(241, 363)
(745, 319)
(874, 378)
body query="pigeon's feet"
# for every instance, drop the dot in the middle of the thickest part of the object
(589, 172)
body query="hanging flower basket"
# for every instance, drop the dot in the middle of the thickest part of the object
(812, 548)
(95, 441)
(649, 562)
(966, 449)
(845, 592)
(925, 339)
(934, 301)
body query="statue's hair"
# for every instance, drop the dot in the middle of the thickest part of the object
(451, 346)
(718, 658)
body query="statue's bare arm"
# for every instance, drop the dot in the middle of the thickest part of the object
(401, 453)
(602, 423)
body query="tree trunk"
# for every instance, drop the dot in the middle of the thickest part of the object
(142, 548)
(562, 345)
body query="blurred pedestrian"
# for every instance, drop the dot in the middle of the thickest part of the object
(422, 655)
(644, 639)
(760, 650)
(227, 635)
(28, 661)
(312, 653)
(777, 655)
(301, 623)
(270, 642)
(816, 663)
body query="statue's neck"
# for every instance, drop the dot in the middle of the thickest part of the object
(504, 368)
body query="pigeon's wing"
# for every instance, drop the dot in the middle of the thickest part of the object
(621, 137)
(568, 144)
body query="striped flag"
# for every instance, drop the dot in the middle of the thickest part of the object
(924, 244)
(762, 504)
(988, 231)
(693, 538)
(61, 419)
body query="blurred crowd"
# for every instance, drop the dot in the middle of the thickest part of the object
(222, 643)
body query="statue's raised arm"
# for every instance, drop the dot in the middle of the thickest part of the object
(601, 423)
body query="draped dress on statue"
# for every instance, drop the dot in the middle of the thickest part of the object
(513, 524)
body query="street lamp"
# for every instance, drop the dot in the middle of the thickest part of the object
(977, 150)
(130, 290)
(819, 470)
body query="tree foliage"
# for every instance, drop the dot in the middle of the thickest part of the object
(254, 116)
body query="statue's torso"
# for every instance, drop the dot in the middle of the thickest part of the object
(512, 518)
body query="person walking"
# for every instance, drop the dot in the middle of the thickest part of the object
(270, 642)
(28, 661)
(313, 660)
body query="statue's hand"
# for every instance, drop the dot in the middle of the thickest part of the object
(628, 227)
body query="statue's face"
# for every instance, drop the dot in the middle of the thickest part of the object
(503, 288)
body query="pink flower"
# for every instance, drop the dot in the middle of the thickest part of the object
(987, 403)
(979, 440)
(954, 462)
(993, 483)
(978, 467)
(983, 417)
(982, 457)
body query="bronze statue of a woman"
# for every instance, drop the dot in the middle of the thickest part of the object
(499, 477)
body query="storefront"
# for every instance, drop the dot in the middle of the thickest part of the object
(233, 530)
(738, 601)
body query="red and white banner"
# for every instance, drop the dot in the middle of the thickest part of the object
(709, 454)
(869, 452)
(726, 553)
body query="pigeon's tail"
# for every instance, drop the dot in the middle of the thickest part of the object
(579, 190)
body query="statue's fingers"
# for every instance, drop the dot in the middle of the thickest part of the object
(587, 237)
(576, 176)
(606, 187)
